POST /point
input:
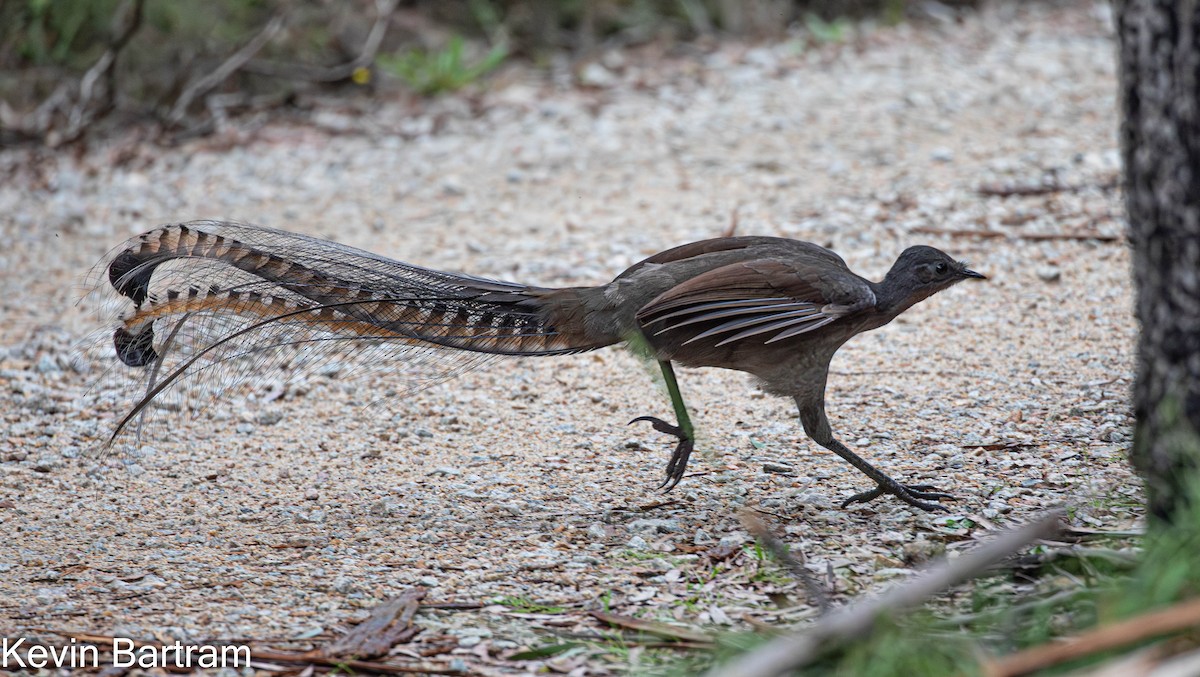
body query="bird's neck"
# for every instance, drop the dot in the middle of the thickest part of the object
(893, 296)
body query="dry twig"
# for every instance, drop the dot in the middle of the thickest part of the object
(1073, 552)
(1126, 632)
(239, 58)
(792, 651)
(83, 110)
(731, 230)
(671, 632)
(287, 71)
(83, 114)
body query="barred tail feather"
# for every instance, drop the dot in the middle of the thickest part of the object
(216, 303)
(374, 296)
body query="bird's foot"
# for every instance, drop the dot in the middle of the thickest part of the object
(679, 458)
(915, 495)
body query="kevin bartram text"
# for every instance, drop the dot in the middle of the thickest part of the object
(19, 653)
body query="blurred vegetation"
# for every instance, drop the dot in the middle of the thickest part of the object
(432, 72)
(72, 32)
(1053, 593)
(48, 47)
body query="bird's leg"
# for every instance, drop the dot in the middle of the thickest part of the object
(816, 424)
(684, 430)
(915, 495)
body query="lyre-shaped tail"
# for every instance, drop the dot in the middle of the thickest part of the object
(334, 287)
(215, 298)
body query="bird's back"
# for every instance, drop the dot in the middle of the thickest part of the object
(754, 271)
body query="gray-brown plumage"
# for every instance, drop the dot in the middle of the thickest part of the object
(772, 307)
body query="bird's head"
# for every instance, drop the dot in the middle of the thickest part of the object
(922, 271)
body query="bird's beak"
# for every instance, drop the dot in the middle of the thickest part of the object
(967, 272)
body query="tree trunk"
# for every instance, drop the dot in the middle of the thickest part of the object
(1160, 138)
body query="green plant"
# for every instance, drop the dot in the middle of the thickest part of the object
(893, 12)
(892, 651)
(716, 570)
(64, 32)
(836, 30)
(432, 72)
(756, 549)
(526, 605)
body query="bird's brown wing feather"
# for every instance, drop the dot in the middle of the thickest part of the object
(763, 247)
(763, 300)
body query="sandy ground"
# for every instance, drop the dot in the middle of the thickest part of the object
(292, 518)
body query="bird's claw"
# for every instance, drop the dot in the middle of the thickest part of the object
(915, 495)
(661, 426)
(679, 458)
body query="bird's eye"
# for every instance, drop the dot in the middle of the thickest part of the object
(940, 268)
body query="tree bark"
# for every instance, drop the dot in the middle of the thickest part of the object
(1160, 138)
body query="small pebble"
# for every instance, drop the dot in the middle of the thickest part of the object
(1049, 273)
(655, 526)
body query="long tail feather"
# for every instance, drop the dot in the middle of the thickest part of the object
(215, 304)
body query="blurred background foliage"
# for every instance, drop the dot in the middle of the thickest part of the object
(429, 46)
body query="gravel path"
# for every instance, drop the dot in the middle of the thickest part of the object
(293, 517)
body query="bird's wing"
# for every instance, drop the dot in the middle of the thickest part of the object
(756, 246)
(763, 300)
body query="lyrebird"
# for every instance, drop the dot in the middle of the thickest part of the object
(772, 307)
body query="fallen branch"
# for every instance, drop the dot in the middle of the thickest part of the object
(1126, 632)
(287, 71)
(1041, 559)
(221, 73)
(671, 632)
(991, 234)
(82, 114)
(458, 606)
(793, 651)
(1081, 533)
(760, 531)
(75, 102)
(1060, 598)
(1001, 446)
